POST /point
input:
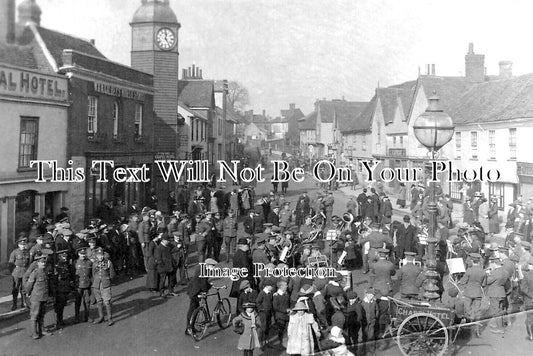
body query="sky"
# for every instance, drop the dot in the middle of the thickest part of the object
(297, 51)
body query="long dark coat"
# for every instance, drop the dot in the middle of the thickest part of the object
(242, 259)
(151, 271)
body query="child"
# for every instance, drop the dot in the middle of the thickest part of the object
(354, 317)
(335, 343)
(302, 331)
(370, 308)
(338, 319)
(247, 294)
(249, 339)
(281, 304)
(264, 310)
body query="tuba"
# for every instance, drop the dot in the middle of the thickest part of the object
(346, 222)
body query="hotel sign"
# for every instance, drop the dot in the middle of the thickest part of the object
(397, 152)
(114, 90)
(32, 85)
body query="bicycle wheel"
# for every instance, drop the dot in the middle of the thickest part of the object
(199, 323)
(223, 313)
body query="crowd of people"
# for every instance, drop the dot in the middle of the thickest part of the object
(328, 315)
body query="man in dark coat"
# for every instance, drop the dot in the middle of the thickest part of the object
(303, 208)
(273, 216)
(376, 204)
(407, 276)
(473, 282)
(164, 265)
(386, 210)
(242, 259)
(197, 284)
(496, 281)
(410, 235)
(362, 201)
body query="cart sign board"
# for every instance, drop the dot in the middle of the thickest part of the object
(455, 265)
(445, 315)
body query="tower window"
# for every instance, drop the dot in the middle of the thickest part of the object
(138, 119)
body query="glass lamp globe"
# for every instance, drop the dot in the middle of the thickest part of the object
(433, 128)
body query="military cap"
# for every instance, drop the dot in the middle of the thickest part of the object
(475, 256)
(99, 251)
(82, 251)
(64, 220)
(184, 215)
(268, 224)
(60, 252)
(210, 261)
(249, 305)
(383, 250)
(244, 284)
(242, 241)
(351, 294)
(50, 227)
(306, 289)
(47, 251)
(40, 256)
(261, 238)
(287, 203)
(22, 241)
(276, 229)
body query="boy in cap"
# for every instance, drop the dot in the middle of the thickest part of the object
(83, 282)
(19, 261)
(264, 308)
(281, 307)
(354, 317)
(38, 289)
(103, 272)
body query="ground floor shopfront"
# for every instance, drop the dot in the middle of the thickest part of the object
(18, 201)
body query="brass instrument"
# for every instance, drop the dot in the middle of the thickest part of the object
(346, 222)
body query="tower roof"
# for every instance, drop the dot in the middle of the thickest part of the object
(154, 11)
(29, 11)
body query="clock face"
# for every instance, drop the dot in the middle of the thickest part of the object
(165, 38)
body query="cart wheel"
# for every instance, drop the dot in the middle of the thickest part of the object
(422, 334)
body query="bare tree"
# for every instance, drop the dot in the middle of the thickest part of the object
(238, 96)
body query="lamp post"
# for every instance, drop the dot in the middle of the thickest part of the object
(433, 129)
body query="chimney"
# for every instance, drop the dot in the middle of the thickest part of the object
(292, 106)
(433, 69)
(184, 73)
(7, 21)
(474, 65)
(200, 75)
(193, 71)
(506, 69)
(428, 72)
(92, 40)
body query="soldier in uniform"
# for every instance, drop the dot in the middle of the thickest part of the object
(19, 261)
(103, 272)
(474, 280)
(63, 285)
(407, 276)
(497, 279)
(83, 283)
(526, 286)
(37, 247)
(381, 281)
(38, 288)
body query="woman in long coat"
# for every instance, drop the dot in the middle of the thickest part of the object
(249, 339)
(494, 221)
(151, 271)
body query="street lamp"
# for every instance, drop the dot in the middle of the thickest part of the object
(433, 129)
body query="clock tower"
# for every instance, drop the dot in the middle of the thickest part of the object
(154, 50)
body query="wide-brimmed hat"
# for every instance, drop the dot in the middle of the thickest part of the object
(300, 306)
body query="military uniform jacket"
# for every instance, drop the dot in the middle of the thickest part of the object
(84, 270)
(63, 277)
(34, 249)
(407, 276)
(284, 217)
(473, 280)
(21, 260)
(37, 286)
(381, 280)
(143, 232)
(230, 226)
(496, 282)
(103, 272)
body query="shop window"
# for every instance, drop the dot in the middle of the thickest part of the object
(498, 190)
(29, 134)
(512, 144)
(138, 120)
(92, 115)
(401, 141)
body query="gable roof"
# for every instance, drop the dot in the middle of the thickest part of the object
(363, 122)
(347, 114)
(20, 56)
(308, 122)
(196, 93)
(449, 89)
(326, 108)
(56, 42)
(495, 100)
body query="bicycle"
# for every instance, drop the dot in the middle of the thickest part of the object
(202, 318)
